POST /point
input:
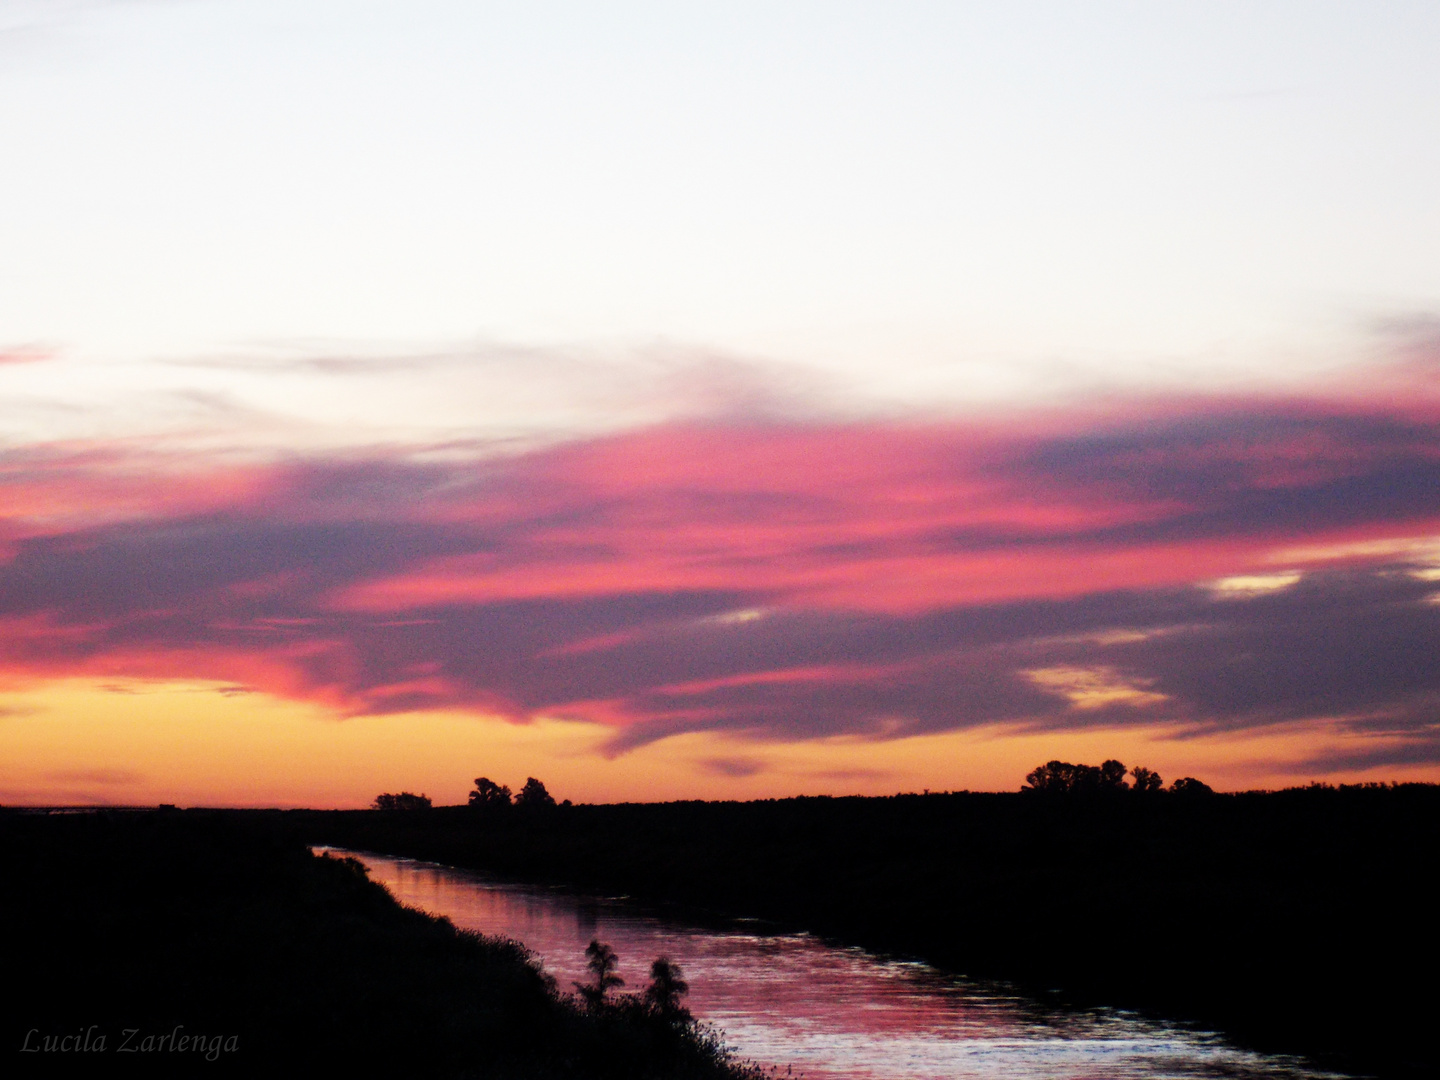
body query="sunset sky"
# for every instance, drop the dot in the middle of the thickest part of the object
(714, 400)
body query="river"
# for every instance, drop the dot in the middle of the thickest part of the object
(830, 1012)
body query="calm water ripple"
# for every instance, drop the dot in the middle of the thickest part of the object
(831, 1013)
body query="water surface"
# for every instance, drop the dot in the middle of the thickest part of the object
(830, 1012)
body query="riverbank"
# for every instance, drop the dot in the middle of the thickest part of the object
(1294, 921)
(175, 943)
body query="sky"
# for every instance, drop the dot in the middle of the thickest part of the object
(715, 400)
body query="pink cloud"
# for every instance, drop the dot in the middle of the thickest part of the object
(25, 354)
(781, 579)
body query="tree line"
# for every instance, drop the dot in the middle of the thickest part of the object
(1064, 778)
(1054, 777)
(486, 795)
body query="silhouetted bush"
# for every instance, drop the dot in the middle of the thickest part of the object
(601, 960)
(672, 1032)
(667, 987)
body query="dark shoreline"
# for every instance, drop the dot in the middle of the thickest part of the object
(1293, 922)
(180, 942)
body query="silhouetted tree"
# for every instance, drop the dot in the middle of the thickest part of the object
(533, 795)
(1188, 785)
(1052, 776)
(403, 801)
(1146, 779)
(1111, 776)
(601, 960)
(667, 987)
(487, 793)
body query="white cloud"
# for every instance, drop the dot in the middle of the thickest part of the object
(1246, 586)
(1094, 687)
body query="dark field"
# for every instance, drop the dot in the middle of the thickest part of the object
(1301, 921)
(220, 931)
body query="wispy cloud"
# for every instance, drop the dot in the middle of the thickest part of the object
(24, 354)
(731, 766)
(104, 777)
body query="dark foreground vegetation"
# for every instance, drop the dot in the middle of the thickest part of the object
(1301, 921)
(213, 943)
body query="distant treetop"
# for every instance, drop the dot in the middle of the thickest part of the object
(1061, 776)
(490, 795)
(1188, 785)
(487, 793)
(403, 801)
(533, 795)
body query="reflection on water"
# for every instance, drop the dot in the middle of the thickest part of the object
(829, 1012)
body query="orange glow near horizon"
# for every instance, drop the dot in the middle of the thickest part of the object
(137, 742)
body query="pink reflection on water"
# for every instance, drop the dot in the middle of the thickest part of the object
(831, 1013)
